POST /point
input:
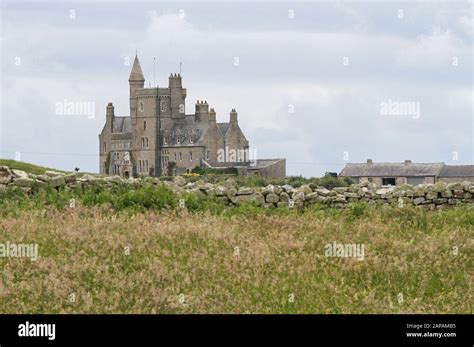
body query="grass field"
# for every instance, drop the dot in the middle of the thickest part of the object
(97, 260)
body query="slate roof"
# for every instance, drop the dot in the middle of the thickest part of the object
(260, 163)
(202, 127)
(391, 169)
(136, 74)
(219, 164)
(223, 127)
(121, 125)
(457, 171)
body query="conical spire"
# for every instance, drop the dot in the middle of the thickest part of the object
(136, 75)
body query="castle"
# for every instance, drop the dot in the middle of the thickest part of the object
(160, 139)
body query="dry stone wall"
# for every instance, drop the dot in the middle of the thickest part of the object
(430, 196)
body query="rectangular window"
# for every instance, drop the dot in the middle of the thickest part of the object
(180, 156)
(414, 181)
(190, 156)
(105, 147)
(208, 154)
(388, 181)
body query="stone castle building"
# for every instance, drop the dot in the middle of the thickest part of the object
(159, 138)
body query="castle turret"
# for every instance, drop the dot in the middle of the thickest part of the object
(109, 116)
(212, 115)
(135, 81)
(202, 111)
(233, 116)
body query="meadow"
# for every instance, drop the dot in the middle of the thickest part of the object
(137, 251)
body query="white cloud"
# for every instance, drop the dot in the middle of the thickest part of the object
(335, 106)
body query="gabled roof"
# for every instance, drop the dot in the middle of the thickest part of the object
(457, 171)
(136, 74)
(121, 125)
(223, 127)
(391, 169)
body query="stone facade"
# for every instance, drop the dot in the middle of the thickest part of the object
(159, 138)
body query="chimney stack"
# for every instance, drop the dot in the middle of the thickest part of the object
(202, 111)
(369, 161)
(233, 116)
(109, 115)
(407, 162)
(212, 115)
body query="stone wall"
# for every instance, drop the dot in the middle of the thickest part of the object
(430, 196)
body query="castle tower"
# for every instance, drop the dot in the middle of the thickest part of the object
(136, 81)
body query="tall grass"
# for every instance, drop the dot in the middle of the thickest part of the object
(235, 261)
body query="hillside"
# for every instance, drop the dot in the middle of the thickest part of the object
(27, 167)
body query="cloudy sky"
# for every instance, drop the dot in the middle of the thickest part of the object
(318, 83)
